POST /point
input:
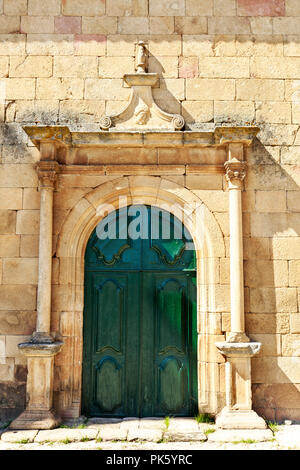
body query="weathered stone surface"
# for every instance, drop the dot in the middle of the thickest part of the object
(64, 434)
(19, 436)
(112, 434)
(240, 435)
(153, 435)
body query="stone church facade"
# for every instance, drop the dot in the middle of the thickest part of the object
(172, 104)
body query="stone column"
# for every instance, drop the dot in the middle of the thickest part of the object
(235, 174)
(238, 349)
(41, 348)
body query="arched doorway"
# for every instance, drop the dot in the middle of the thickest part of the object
(140, 316)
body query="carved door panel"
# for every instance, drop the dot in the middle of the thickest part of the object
(140, 328)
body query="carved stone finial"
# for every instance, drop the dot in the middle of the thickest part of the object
(141, 57)
(235, 172)
(47, 173)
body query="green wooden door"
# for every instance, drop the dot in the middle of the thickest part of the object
(140, 322)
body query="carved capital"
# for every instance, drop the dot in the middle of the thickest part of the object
(47, 173)
(235, 172)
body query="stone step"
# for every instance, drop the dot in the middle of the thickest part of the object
(241, 435)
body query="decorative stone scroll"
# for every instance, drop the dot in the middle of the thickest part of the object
(142, 113)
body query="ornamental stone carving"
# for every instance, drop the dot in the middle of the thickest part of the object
(142, 113)
(47, 173)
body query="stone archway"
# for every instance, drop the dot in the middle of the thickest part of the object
(209, 244)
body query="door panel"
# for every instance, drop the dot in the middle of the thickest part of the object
(140, 326)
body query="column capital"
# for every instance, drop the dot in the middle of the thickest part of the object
(235, 173)
(47, 173)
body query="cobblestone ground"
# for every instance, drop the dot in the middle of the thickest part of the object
(150, 434)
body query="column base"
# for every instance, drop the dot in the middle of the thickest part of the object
(36, 419)
(239, 419)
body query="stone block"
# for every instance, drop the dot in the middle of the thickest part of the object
(17, 322)
(28, 222)
(238, 435)
(12, 342)
(162, 25)
(121, 45)
(19, 88)
(7, 222)
(261, 25)
(273, 112)
(278, 224)
(188, 67)
(20, 271)
(100, 25)
(37, 24)
(84, 110)
(9, 24)
(264, 273)
(165, 45)
(59, 88)
(223, 67)
(199, 111)
(270, 201)
(18, 436)
(80, 8)
(90, 44)
(35, 66)
(210, 89)
(51, 7)
(295, 323)
(166, 67)
(12, 44)
(29, 246)
(3, 66)
(112, 434)
(199, 7)
(17, 7)
(260, 89)
(9, 245)
(152, 435)
(267, 323)
(139, 25)
(256, 247)
(224, 8)
(210, 182)
(257, 8)
(276, 370)
(228, 25)
(166, 8)
(278, 67)
(285, 26)
(33, 111)
(115, 67)
(190, 25)
(292, 8)
(291, 345)
(259, 45)
(67, 24)
(294, 273)
(268, 300)
(234, 111)
(111, 89)
(11, 198)
(50, 44)
(62, 434)
(79, 67)
(127, 7)
(7, 367)
(286, 248)
(196, 45)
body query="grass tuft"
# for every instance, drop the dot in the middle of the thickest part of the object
(273, 426)
(204, 418)
(23, 441)
(209, 431)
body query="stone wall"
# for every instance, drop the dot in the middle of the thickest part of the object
(219, 61)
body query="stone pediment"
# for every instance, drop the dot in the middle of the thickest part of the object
(142, 113)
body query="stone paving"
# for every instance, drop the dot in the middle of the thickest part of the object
(150, 434)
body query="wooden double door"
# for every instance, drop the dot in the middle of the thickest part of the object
(140, 324)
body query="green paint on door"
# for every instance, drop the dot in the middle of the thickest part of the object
(140, 322)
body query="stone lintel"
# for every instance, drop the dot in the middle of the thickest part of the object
(238, 349)
(61, 136)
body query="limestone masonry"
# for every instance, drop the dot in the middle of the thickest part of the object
(220, 129)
